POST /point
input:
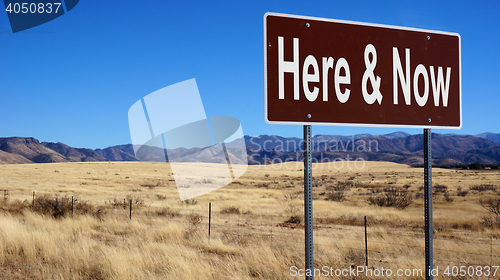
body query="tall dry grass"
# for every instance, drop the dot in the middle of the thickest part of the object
(165, 240)
(34, 246)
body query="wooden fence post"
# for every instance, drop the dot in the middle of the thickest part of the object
(131, 209)
(366, 245)
(209, 218)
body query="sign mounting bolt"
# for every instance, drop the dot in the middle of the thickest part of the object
(429, 119)
(428, 37)
(308, 116)
(307, 24)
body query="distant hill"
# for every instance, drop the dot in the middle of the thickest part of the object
(8, 158)
(30, 149)
(446, 150)
(73, 154)
(117, 153)
(495, 137)
(400, 147)
(490, 153)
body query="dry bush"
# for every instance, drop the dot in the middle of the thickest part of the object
(14, 206)
(492, 205)
(447, 197)
(483, 187)
(60, 207)
(190, 201)
(462, 193)
(149, 186)
(350, 220)
(338, 196)
(116, 203)
(161, 196)
(264, 185)
(230, 210)
(137, 201)
(290, 206)
(355, 257)
(342, 186)
(490, 222)
(125, 203)
(337, 193)
(295, 219)
(438, 188)
(392, 197)
(194, 220)
(168, 212)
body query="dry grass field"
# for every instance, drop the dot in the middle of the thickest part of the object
(256, 230)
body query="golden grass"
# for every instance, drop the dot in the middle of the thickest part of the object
(162, 241)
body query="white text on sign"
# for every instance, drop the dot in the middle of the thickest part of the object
(437, 82)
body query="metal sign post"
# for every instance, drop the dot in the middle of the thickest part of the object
(308, 207)
(428, 203)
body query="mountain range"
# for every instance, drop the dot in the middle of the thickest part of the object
(400, 147)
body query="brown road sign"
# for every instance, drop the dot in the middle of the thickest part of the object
(331, 72)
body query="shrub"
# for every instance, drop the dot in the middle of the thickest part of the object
(149, 186)
(350, 220)
(167, 212)
(354, 257)
(14, 206)
(295, 219)
(440, 188)
(392, 197)
(190, 201)
(490, 222)
(194, 220)
(161, 196)
(230, 210)
(290, 206)
(342, 186)
(60, 207)
(338, 196)
(475, 166)
(264, 185)
(447, 197)
(462, 193)
(125, 203)
(483, 187)
(492, 205)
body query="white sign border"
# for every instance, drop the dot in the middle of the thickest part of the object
(364, 24)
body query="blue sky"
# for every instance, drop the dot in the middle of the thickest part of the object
(73, 79)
